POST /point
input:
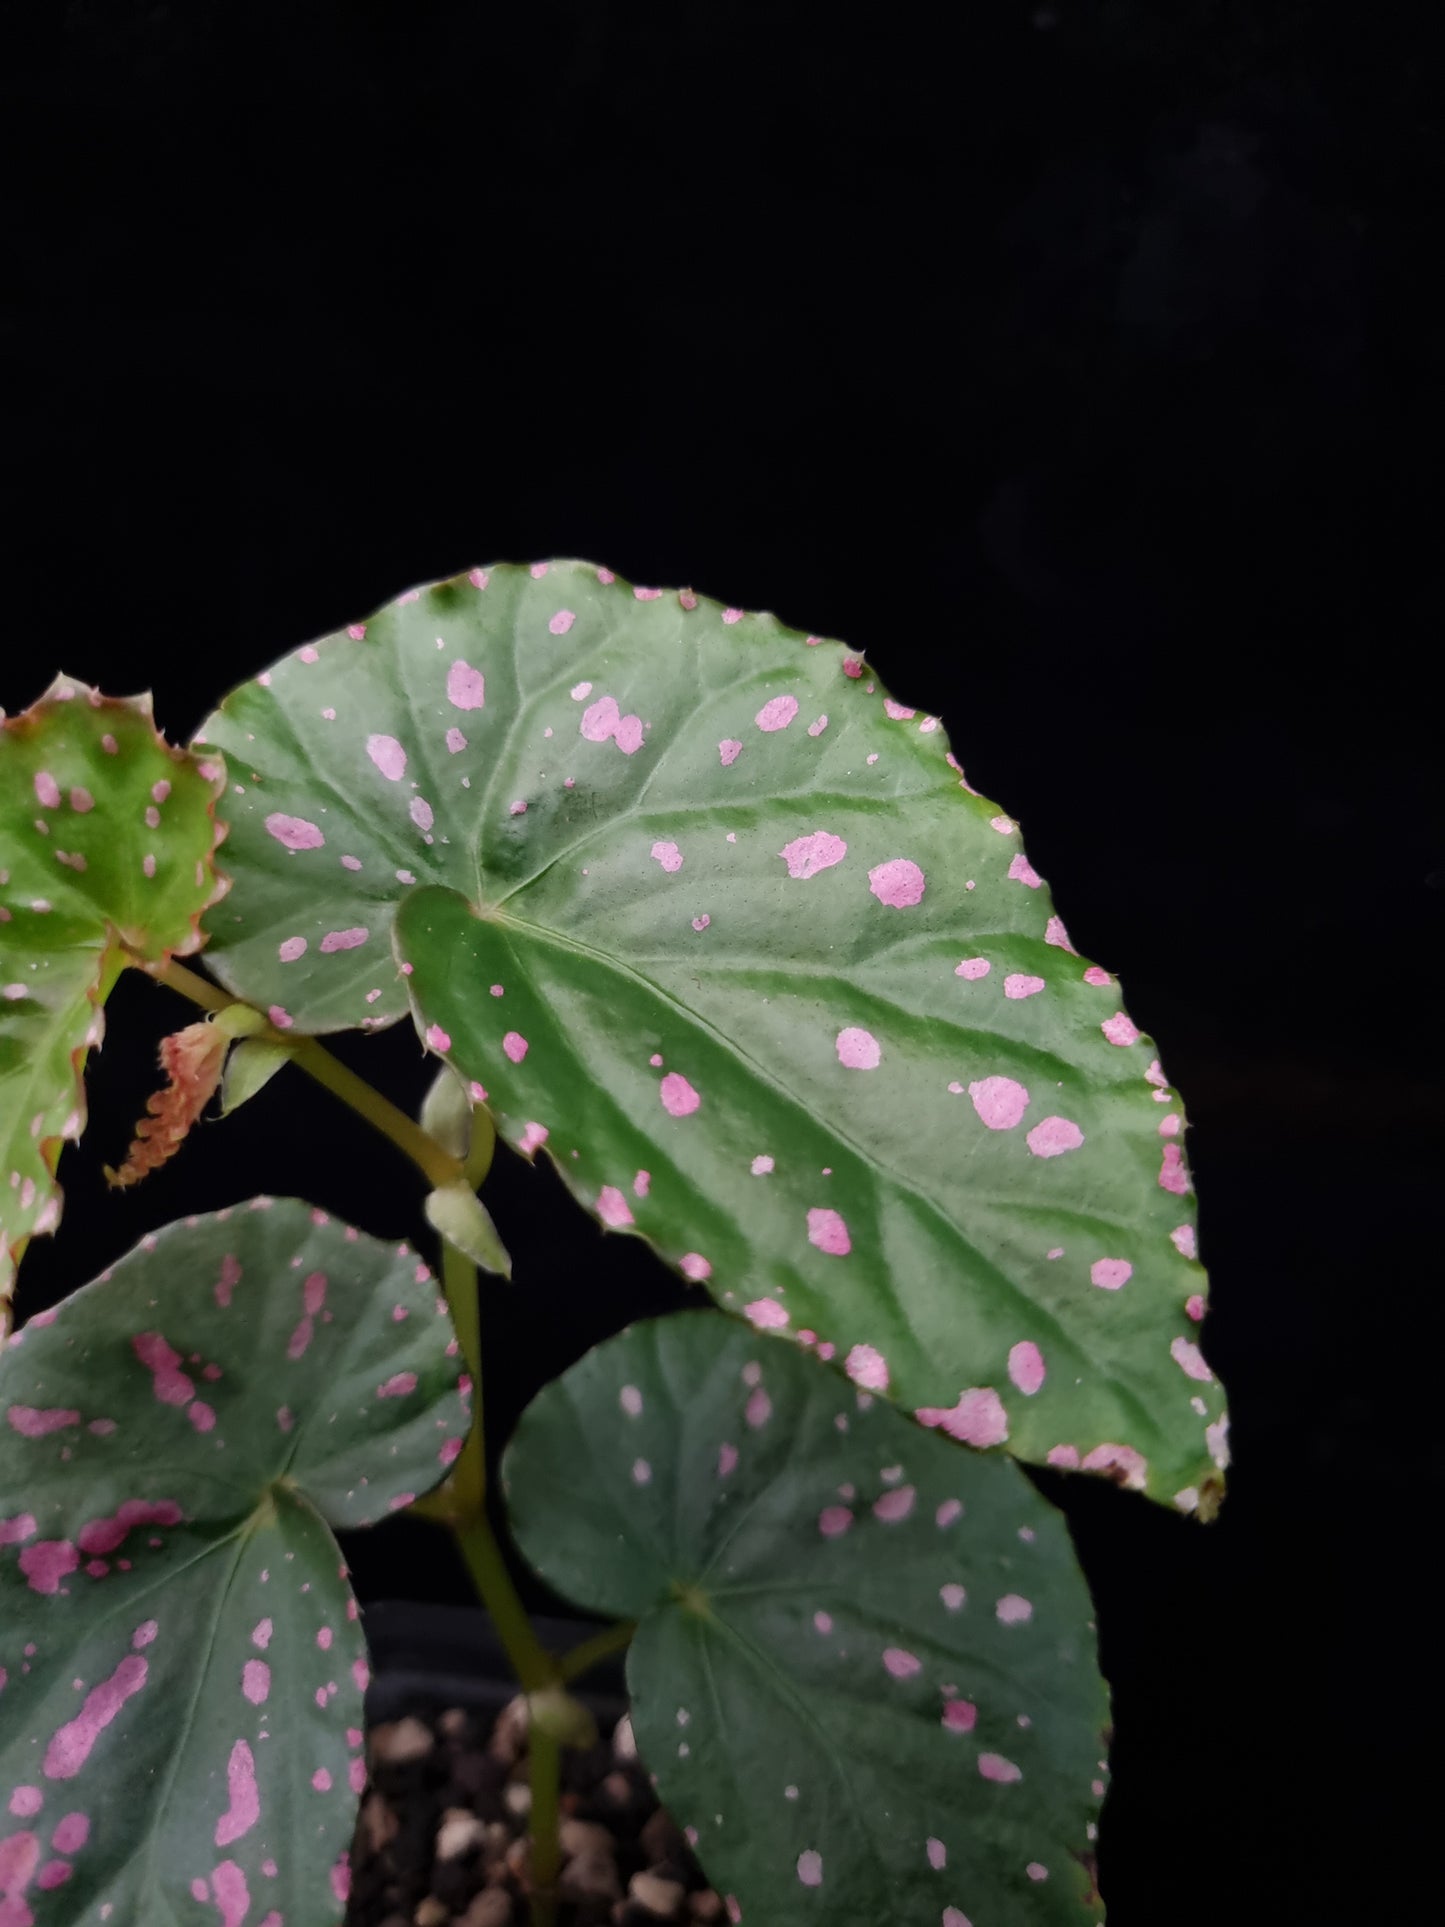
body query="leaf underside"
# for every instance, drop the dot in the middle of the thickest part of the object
(864, 1674)
(107, 841)
(181, 1664)
(685, 897)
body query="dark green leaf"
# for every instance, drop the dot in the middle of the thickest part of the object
(864, 1673)
(720, 923)
(181, 1667)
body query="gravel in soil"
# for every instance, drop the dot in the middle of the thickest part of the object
(441, 1838)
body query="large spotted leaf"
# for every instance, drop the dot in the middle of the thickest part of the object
(181, 1667)
(106, 841)
(864, 1673)
(693, 903)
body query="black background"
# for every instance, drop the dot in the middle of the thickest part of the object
(1081, 370)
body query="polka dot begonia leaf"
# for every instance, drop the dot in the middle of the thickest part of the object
(107, 840)
(692, 904)
(181, 1660)
(864, 1672)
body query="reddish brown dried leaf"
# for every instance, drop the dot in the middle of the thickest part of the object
(192, 1060)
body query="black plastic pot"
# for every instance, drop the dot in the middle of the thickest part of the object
(425, 1658)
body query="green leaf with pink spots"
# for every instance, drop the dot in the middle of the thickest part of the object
(864, 1672)
(181, 1666)
(720, 924)
(107, 837)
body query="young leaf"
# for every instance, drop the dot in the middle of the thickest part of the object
(107, 841)
(864, 1673)
(181, 1667)
(463, 1220)
(717, 920)
(249, 1068)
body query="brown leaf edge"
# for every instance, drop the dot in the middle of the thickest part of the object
(211, 766)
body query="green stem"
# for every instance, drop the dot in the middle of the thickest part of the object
(531, 1662)
(545, 1760)
(438, 1165)
(459, 1279)
(582, 1658)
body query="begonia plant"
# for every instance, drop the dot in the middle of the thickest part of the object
(682, 900)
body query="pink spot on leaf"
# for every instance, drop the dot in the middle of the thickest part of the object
(1026, 1367)
(1110, 1273)
(898, 882)
(767, 1314)
(679, 1099)
(777, 713)
(515, 1046)
(103, 1536)
(612, 1208)
(895, 1505)
(867, 1367)
(999, 1101)
(827, 1232)
(32, 1423)
(1190, 1360)
(858, 1050)
(466, 687)
(291, 832)
(805, 856)
(72, 1744)
(1019, 986)
(1053, 1137)
(244, 1809)
(1173, 1176)
(978, 1418)
(233, 1896)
